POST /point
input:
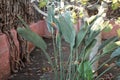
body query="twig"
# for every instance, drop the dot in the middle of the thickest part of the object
(40, 11)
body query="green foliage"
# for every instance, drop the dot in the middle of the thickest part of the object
(118, 32)
(80, 36)
(26, 26)
(50, 17)
(43, 3)
(76, 15)
(84, 39)
(116, 53)
(68, 32)
(84, 2)
(32, 37)
(110, 47)
(115, 4)
(27, 34)
(108, 26)
(81, 44)
(118, 62)
(118, 20)
(107, 42)
(85, 71)
(67, 29)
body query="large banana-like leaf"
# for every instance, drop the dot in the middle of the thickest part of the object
(93, 33)
(116, 53)
(32, 37)
(23, 22)
(95, 29)
(49, 19)
(118, 62)
(56, 21)
(80, 37)
(67, 29)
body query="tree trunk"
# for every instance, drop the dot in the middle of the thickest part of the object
(9, 10)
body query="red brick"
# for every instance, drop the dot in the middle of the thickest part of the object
(4, 58)
(40, 28)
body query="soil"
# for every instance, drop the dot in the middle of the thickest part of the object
(39, 68)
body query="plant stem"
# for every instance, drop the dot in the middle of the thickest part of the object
(104, 72)
(51, 63)
(55, 55)
(39, 11)
(76, 51)
(61, 61)
(104, 63)
(96, 57)
(70, 64)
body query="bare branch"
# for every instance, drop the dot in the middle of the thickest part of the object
(40, 11)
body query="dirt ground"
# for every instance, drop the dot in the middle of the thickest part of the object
(39, 68)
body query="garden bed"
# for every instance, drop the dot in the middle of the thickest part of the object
(39, 68)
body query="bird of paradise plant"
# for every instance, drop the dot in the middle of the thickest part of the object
(78, 66)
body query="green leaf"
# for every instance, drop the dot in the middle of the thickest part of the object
(80, 37)
(85, 71)
(49, 19)
(118, 32)
(67, 29)
(116, 53)
(91, 19)
(84, 1)
(117, 20)
(108, 27)
(23, 22)
(117, 43)
(106, 42)
(42, 3)
(94, 30)
(58, 40)
(32, 37)
(56, 21)
(92, 36)
(118, 62)
(89, 48)
(29, 35)
(110, 47)
(115, 5)
(114, 1)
